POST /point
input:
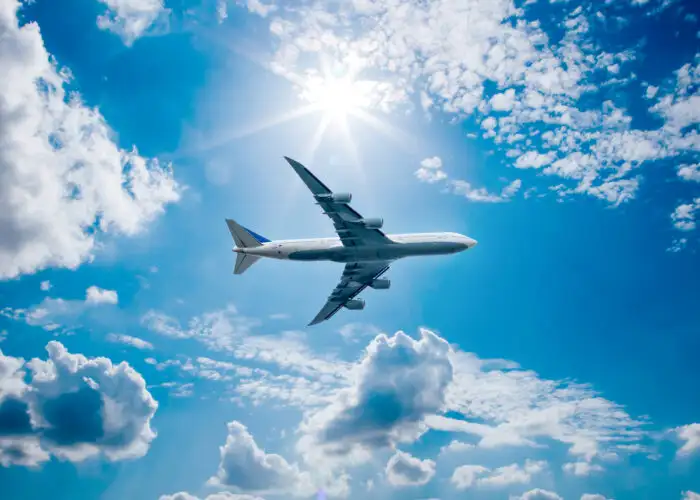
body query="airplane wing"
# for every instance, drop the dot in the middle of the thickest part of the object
(356, 277)
(347, 222)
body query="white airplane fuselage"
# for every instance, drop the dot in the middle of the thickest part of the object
(332, 249)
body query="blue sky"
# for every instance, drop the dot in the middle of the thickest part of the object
(557, 359)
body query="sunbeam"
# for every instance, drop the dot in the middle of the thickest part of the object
(317, 137)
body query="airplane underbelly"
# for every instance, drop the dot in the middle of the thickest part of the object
(374, 253)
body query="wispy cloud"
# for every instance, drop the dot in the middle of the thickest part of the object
(431, 172)
(136, 342)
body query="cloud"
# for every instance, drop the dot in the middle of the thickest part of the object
(399, 381)
(593, 496)
(404, 469)
(465, 476)
(690, 495)
(546, 101)
(62, 178)
(689, 172)
(538, 494)
(279, 316)
(228, 331)
(431, 172)
(401, 388)
(136, 342)
(512, 474)
(677, 245)
(260, 8)
(130, 19)
(45, 286)
(463, 188)
(684, 215)
(581, 469)
(224, 495)
(247, 468)
(164, 325)
(456, 447)
(506, 406)
(73, 407)
(53, 314)
(354, 332)
(690, 434)
(95, 295)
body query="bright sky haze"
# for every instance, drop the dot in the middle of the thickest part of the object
(555, 360)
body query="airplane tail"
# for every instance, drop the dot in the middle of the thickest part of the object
(243, 262)
(244, 238)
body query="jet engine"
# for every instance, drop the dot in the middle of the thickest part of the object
(335, 197)
(355, 304)
(373, 223)
(380, 284)
(341, 197)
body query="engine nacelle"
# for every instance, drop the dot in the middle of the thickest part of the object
(355, 304)
(380, 284)
(373, 223)
(341, 197)
(335, 197)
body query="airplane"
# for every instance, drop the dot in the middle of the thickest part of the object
(366, 251)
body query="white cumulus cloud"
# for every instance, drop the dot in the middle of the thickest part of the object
(690, 435)
(465, 476)
(538, 494)
(96, 295)
(512, 474)
(684, 215)
(404, 469)
(130, 19)
(73, 407)
(246, 467)
(690, 172)
(61, 175)
(399, 381)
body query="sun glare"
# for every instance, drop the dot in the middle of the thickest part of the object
(337, 97)
(336, 94)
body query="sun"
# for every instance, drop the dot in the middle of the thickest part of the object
(336, 92)
(337, 97)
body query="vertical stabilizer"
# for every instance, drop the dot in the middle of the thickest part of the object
(244, 238)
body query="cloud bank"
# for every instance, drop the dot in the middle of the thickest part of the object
(73, 408)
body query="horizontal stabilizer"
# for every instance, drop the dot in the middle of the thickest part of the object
(243, 262)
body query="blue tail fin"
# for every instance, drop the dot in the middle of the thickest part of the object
(261, 239)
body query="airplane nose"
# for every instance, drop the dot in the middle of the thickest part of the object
(469, 242)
